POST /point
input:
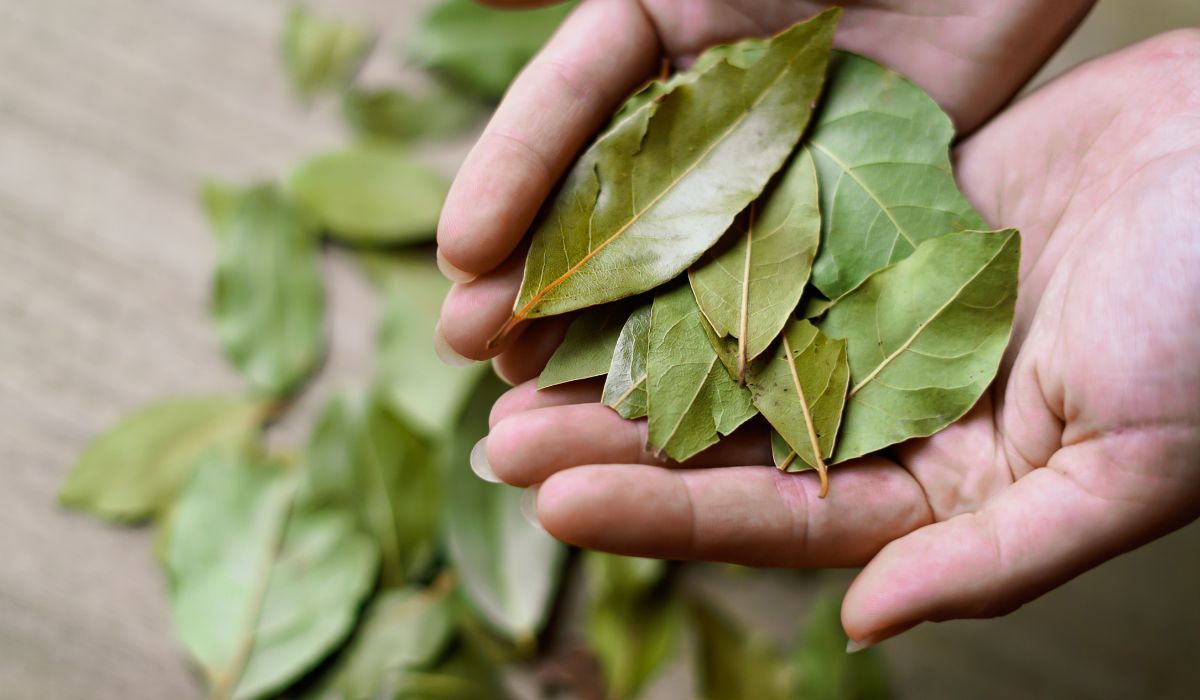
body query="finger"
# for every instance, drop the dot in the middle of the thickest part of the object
(526, 448)
(553, 107)
(1042, 532)
(527, 397)
(482, 303)
(756, 516)
(538, 343)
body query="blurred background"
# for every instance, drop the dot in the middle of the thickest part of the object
(110, 114)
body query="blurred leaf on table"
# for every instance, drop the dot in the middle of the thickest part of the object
(321, 54)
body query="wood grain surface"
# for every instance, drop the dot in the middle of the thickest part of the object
(110, 112)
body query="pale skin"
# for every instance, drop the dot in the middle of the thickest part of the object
(1085, 447)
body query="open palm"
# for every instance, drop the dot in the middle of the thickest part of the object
(1085, 447)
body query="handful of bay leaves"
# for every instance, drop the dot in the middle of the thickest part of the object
(837, 282)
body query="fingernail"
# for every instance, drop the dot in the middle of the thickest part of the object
(479, 463)
(853, 646)
(446, 353)
(529, 506)
(452, 273)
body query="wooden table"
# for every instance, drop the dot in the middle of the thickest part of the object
(110, 112)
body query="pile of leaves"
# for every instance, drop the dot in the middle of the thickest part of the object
(776, 231)
(369, 562)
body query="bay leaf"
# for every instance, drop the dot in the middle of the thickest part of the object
(748, 290)
(801, 391)
(733, 661)
(465, 674)
(261, 587)
(660, 187)
(625, 385)
(925, 337)
(882, 151)
(370, 195)
(509, 568)
(824, 670)
(321, 54)
(632, 627)
(399, 117)
(587, 349)
(415, 383)
(365, 459)
(268, 299)
(690, 397)
(481, 49)
(135, 469)
(402, 630)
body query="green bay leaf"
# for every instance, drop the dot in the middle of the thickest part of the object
(403, 630)
(587, 349)
(625, 385)
(925, 337)
(365, 459)
(370, 195)
(660, 186)
(735, 661)
(413, 380)
(631, 626)
(398, 117)
(823, 668)
(268, 299)
(262, 587)
(881, 147)
(321, 54)
(481, 49)
(801, 391)
(690, 397)
(748, 290)
(509, 568)
(135, 469)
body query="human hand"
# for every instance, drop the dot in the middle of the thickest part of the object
(961, 51)
(1085, 447)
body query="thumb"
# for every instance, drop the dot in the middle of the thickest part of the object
(1040, 533)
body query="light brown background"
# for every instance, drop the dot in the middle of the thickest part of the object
(109, 113)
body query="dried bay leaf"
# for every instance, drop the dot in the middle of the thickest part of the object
(632, 627)
(261, 586)
(135, 469)
(587, 349)
(268, 299)
(413, 380)
(748, 290)
(881, 147)
(481, 49)
(321, 54)
(625, 385)
(509, 568)
(403, 629)
(824, 670)
(733, 661)
(370, 195)
(690, 397)
(399, 117)
(365, 459)
(924, 337)
(801, 391)
(660, 186)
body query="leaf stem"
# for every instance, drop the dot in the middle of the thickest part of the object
(744, 319)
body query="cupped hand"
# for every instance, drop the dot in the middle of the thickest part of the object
(1086, 446)
(970, 55)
